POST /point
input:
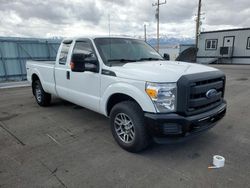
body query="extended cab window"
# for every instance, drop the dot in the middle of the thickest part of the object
(64, 53)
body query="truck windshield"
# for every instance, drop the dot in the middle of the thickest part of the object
(117, 51)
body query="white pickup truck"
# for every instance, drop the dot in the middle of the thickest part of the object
(145, 96)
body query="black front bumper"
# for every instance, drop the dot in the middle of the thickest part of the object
(167, 128)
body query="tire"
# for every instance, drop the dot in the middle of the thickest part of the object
(42, 98)
(127, 126)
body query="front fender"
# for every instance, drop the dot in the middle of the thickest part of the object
(139, 95)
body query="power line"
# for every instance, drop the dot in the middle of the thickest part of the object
(157, 15)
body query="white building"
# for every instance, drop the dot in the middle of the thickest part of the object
(224, 46)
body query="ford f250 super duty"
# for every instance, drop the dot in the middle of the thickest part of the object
(146, 97)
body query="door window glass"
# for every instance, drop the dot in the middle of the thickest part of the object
(85, 48)
(85, 51)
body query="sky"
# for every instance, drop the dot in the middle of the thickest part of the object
(66, 18)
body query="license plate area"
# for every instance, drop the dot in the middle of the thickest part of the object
(207, 121)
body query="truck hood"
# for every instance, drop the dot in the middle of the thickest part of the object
(159, 71)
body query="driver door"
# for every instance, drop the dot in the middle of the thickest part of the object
(84, 87)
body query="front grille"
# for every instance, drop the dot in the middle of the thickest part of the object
(193, 99)
(198, 99)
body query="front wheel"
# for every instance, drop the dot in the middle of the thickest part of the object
(42, 98)
(127, 126)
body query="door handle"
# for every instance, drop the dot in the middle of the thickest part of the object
(68, 75)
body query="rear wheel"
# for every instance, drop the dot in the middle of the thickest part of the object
(127, 126)
(42, 98)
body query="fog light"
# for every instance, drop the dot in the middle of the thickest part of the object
(171, 128)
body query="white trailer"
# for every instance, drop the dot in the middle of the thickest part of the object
(224, 46)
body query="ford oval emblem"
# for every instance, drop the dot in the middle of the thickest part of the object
(211, 93)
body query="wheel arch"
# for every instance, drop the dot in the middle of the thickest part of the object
(117, 98)
(34, 78)
(121, 92)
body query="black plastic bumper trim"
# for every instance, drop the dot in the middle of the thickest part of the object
(190, 125)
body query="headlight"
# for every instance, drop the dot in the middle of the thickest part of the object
(163, 95)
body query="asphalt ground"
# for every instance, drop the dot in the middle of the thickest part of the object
(65, 145)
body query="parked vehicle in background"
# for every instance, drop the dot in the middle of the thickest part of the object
(146, 97)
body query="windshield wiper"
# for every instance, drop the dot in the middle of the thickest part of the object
(122, 60)
(150, 59)
(133, 60)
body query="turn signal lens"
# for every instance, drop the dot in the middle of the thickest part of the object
(152, 93)
(72, 65)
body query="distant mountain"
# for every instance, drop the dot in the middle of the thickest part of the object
(165, 40)
(170, 41)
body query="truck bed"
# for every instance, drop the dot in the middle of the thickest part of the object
(45, 70)
(42, 62)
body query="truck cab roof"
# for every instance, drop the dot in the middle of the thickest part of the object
(94, 37)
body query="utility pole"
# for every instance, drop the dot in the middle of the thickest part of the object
(145, 32)
(157, 15)
(198, 24)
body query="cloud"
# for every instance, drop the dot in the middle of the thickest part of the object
(178, 11)
(85, 17)
(56, 12)
(234, 13)
(118, 2)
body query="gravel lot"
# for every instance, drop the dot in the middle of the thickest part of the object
(68, 146)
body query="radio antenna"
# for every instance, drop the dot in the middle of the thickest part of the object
(109, 23)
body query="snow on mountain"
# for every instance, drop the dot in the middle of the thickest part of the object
(171, 41)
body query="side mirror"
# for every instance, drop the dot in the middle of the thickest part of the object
(83, 62)
(91, 66)
(77, 63)
(166, 56)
